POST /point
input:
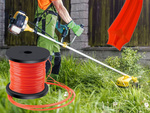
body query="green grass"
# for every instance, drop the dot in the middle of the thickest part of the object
(96, 91)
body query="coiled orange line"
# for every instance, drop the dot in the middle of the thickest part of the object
(30, 70)
(27, 78)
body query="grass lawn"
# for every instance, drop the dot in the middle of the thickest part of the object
(94, 85)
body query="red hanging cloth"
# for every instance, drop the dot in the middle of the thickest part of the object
(121, 31)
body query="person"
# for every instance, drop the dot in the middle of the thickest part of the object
(47, 18)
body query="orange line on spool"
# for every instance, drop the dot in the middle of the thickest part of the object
(19, 70)
(27, 78)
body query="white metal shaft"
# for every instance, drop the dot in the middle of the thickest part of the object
(76, 51)
(73, 39)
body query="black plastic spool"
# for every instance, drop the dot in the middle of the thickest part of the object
(27, 54)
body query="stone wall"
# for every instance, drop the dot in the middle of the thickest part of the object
(2, 22)
(80, 13)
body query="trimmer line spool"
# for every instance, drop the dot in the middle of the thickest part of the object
(27, 76)
(22, 60)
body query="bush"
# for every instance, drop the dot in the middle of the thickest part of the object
(128, 62)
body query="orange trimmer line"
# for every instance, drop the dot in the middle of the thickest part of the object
(21, 79)
(121, 31)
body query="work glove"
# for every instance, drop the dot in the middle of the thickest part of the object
(77, 29)
(63, 29)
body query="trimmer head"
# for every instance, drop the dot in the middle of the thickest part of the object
(125, 80)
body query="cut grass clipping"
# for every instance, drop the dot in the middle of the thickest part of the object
(96, 91)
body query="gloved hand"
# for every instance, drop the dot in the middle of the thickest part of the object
(62, 28)
(77, 29)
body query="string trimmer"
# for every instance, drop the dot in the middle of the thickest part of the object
(19, 23)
